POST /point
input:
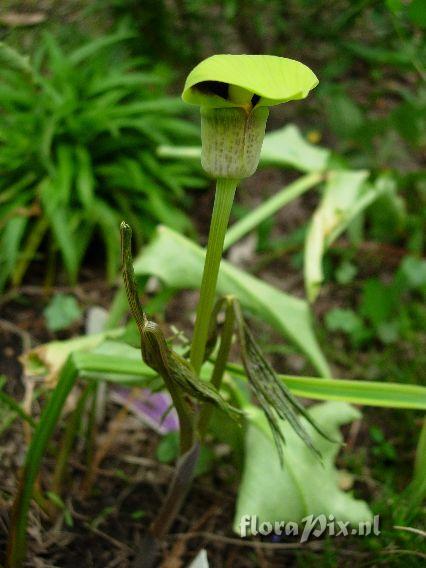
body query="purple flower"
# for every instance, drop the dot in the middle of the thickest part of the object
(154, 409)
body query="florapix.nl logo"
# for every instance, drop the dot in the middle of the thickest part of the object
(310, 526)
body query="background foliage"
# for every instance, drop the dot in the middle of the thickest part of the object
(78, 132)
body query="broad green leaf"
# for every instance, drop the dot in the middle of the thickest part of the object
(274, 79)
(287, 147)
(346, 195)
(303, 486)
(179, 263)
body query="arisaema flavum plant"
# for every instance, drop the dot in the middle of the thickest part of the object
(234, 93)
(209, 391)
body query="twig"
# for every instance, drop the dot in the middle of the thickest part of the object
(248, 543)
(411, 529)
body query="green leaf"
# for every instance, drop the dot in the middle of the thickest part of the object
(414, 271)
(85, 179)
(58, 217)
(339, 319)
(346, 272)
(417, 13)
(10, 245)
(106, 218)
(62, 311)
(168, 448)
(417, 488)
(177, 373)
(274, 79)
(344, 115)
(273, 396)
(48, 360)
(287, 147)
(99, 357)
(179, 263)
(15, 407)
(11, 58)
(92, 48)
(35, 453)
(303, 486)
(378, 301)
(346, 194)
(64, 173)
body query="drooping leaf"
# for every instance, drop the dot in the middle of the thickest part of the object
(303, 486)
(179, 263)
(346, 195)
(274, 397)
(274, 79)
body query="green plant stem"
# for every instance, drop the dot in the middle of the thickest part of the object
(225, 191)
(270, 207)
(219, 366)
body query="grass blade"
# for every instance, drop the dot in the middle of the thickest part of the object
(17, 408)
(45, 427)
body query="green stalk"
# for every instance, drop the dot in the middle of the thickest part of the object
(225, 191)
(219, 366)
